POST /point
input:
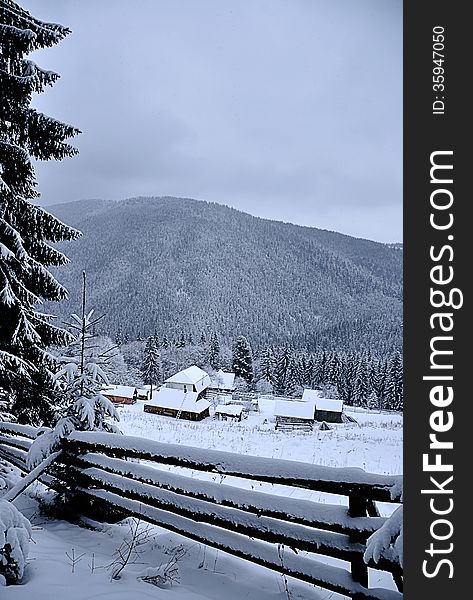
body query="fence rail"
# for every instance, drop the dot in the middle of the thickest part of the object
(267, 529)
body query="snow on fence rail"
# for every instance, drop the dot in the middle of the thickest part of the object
(246, 523)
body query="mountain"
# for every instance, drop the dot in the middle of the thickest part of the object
(175, 265)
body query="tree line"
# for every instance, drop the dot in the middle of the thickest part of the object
(357, 378)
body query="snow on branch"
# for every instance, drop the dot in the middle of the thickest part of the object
(387, 542)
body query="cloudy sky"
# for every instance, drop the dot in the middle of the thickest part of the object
(286, 109)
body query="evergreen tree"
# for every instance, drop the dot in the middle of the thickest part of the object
(362, 388)
(281, 372)
(267, 364)
(394, 386)
(37, 402)
(346, 383)
(242, 363)
(151, 365)
(214, 351)
(292, 378)
(332, 371)
(320, 369)
(378, 380)
(80, 381)
(165, 344)
(308, 375)
(25, 228)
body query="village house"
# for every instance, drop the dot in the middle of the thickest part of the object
(192, 379)
(175, 403)
(121, 394)
(182, 396)
(293, 414)
(326, 409)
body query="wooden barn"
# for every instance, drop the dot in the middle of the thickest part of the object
(222, 384)
(329, 410)
(232, 412)
(294, 415)
(176, 403)
(121, 394)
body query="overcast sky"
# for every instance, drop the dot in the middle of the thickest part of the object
(286, 109)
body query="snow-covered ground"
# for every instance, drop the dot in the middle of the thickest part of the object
(374, 443)
(203, 573)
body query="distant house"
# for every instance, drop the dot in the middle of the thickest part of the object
(329, 410)
(121, 394)
(192, 379)
(222, 384)
(182, 396)
(229, 411)
(173, 402)
(326, 409)
(294, 415)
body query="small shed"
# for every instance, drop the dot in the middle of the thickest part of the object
(294, 415)
(172, 402)
(121, 394)
(229, 411)
(143, 393)
(329, 410)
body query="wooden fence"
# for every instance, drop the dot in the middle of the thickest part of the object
(287, 535)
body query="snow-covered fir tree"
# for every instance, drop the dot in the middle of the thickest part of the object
(394, 384)
(266, 364)
(281, 370)
(80, 380)
(26, 230)
(36, 402)
(293, 378)
(214, 351)
(242, 362)
(362, 387)
(151, 365)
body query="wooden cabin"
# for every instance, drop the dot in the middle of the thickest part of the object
(231, 412)
(121, 394)
(294, 414)
(176, 403)
(329, 410)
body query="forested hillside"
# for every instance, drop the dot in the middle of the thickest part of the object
(173, 266)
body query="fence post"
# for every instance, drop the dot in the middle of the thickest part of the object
(357, 507)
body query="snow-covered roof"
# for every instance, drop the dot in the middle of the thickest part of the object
(191, 376)
(310, 396)
(329, 404)
(299, 410)
(178, 400)
(223, 381)
(229, 409)
(124, 391)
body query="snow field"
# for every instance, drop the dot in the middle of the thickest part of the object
(374, 443)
